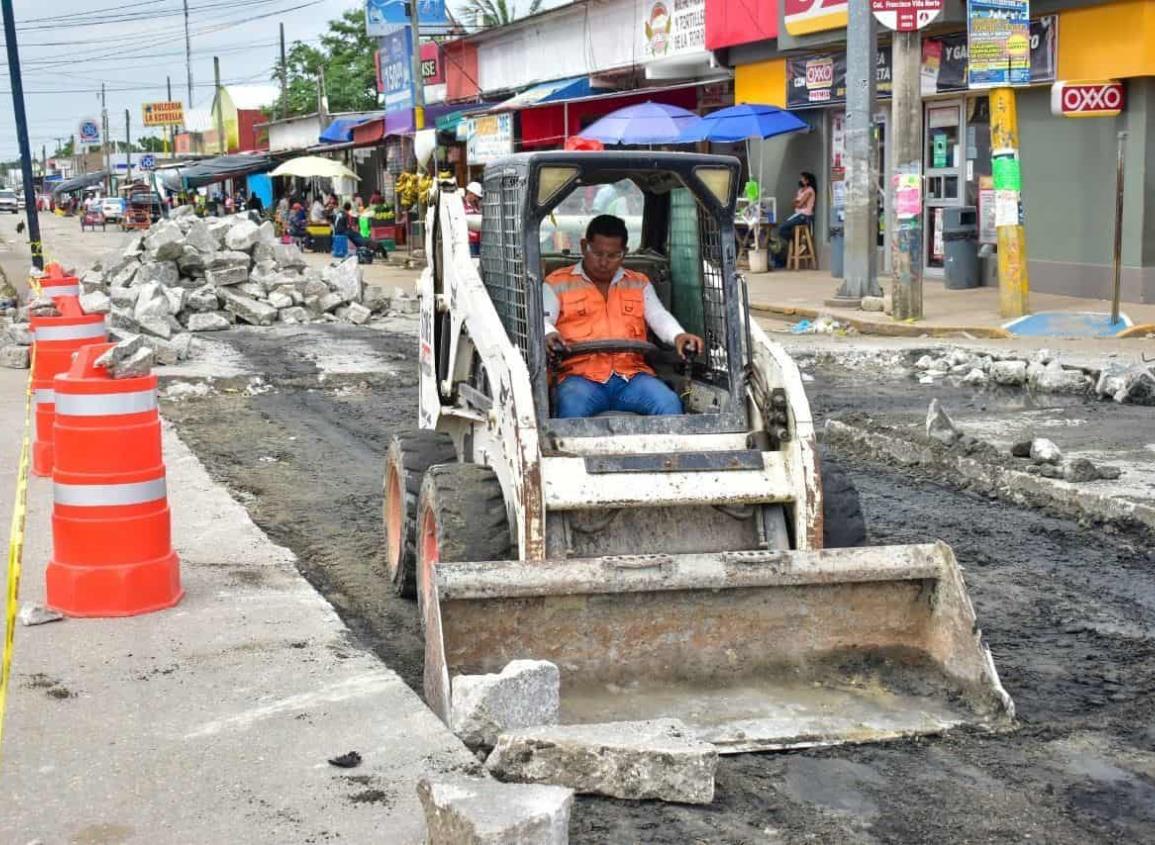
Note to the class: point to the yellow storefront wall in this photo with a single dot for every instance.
(761, 82)
(1116, 40)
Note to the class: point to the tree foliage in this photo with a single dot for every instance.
(347, 55)
(150, 144)
(482, 14)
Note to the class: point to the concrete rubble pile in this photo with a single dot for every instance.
(189, 275)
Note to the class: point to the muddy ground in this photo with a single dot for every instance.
(1068, 613)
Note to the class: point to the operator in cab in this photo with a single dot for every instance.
(599, 299)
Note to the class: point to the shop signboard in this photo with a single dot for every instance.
(168, 113)
(395, 70)
(432, 64)
(88, 132)
(905, 15)
(801, 17)
(384, 16)
(998, 43)
(490, 137)
(671, 27)
(944, 59)
(820, 80)
(1087, 99)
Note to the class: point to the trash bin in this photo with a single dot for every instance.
(960, 240)
(837, 230)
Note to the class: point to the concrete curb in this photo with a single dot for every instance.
(1020, 488)
(883, 329)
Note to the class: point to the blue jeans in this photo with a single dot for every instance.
(578, 396)
(786, 232)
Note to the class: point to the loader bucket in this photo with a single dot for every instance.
(752, 650)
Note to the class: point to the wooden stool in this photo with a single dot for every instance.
(801, 249)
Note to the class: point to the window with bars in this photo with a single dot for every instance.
(503, 253)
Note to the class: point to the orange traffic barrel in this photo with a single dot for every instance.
(56, 339)
(55, 282)
(111, 526)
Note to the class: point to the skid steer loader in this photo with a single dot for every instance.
(670, 566)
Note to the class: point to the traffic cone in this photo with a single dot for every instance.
(55, 282)
(55, 340)
(111, 526)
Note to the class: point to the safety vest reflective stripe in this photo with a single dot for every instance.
(60, 290)
(43, 396)
(109, 495)
(79, 332)
(563, 287)
(105, 404)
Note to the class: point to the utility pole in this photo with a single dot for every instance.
(418, 87)
(219, 107)
(21, 118)
(169, 144)
(104, 141)
(321, 97)
(906, 141)
(188, 57)
(861, 230)
(1014, 284)
(284, 78)
(127, 149)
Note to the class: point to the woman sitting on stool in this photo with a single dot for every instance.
(803, 213)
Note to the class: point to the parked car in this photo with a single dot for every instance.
(112, 208)
(8, 201)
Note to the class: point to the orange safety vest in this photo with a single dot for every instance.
(584, 315)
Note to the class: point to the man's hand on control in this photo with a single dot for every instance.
(687, 344)
(554, 343)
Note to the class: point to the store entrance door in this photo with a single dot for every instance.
(943, 162)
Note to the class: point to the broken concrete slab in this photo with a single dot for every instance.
(165, 273)
(151, 302)
(202, 300)
(242, 235)
(1054, 378)
(280, 300)
(1012, 373)
(37, 614)
(975, 378)
(1080, 470)
(477, 811)
(289, 256)
(656, 759)
(211, 321)
(200, 238)
(95, 302)
(156, 326)
(165, 241)
(226, 276)
(248, 309)
(345, 279)
(15, 357)
(357, 314)
(1044, 451)
(524, 694)
(296, 314)
(939, 426)
(139, 363)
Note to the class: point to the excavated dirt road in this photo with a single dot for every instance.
(1069, 613)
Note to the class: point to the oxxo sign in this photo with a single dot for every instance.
(803, 16)
(1087, 99)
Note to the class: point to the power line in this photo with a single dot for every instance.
(87, 19)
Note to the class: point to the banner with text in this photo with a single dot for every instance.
(395, 70)
(998, 43)
(163, 113)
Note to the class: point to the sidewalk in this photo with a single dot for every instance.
(801, 294)
(211, 721)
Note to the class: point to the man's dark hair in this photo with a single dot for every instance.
(608, 226)
(348, 206)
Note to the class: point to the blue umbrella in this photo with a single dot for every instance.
(646, 123)
(743, 123)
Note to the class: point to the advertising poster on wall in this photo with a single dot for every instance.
(490, 137)
(395, 70)
(998, 43)
(670, 27)
(820, 80)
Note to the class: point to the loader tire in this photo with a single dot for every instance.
(461, 517)
(843, 525)
(411, 453)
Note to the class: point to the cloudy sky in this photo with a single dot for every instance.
(69, 47)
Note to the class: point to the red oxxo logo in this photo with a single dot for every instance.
(1087, 99)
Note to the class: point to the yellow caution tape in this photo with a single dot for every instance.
(16, 540)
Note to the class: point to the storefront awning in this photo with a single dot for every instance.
(340, 131)
(547, 92)
(214, 170)
(79, 182)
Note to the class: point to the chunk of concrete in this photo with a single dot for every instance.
(345, 279)
(357, 314)
(1054, 378)
(202, 300)
(476, 811)
(139, 363)
(242, 235)
(15, 357)
(226, 259)
(924, 363)
(289, 257)
(156, 326)
(96, 302)
(280, 300)
(165, 241)
(122, 350)
(939, 426)
(1043, 451)
(525, 693)
(1022, 449)
(1012, 373)
(211, 321)
(191, 261)
(164, 273)
(20, 334)
(655, 759)
(37, 614)
(294, 315)
(226, 276)
(123, 297)
(248, 309)
(1080, 470)
(152, 301)
(975, 378)
(200, 238)
(871, 303)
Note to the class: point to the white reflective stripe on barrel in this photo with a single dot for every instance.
(43, 396)
(104, 404)
(109, 495)
(80, 332)
(61, 290)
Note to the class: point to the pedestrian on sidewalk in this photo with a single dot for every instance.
(803, 215)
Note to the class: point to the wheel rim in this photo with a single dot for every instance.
(394, 524)
(429, 555)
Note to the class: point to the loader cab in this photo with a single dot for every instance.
(679, 210)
